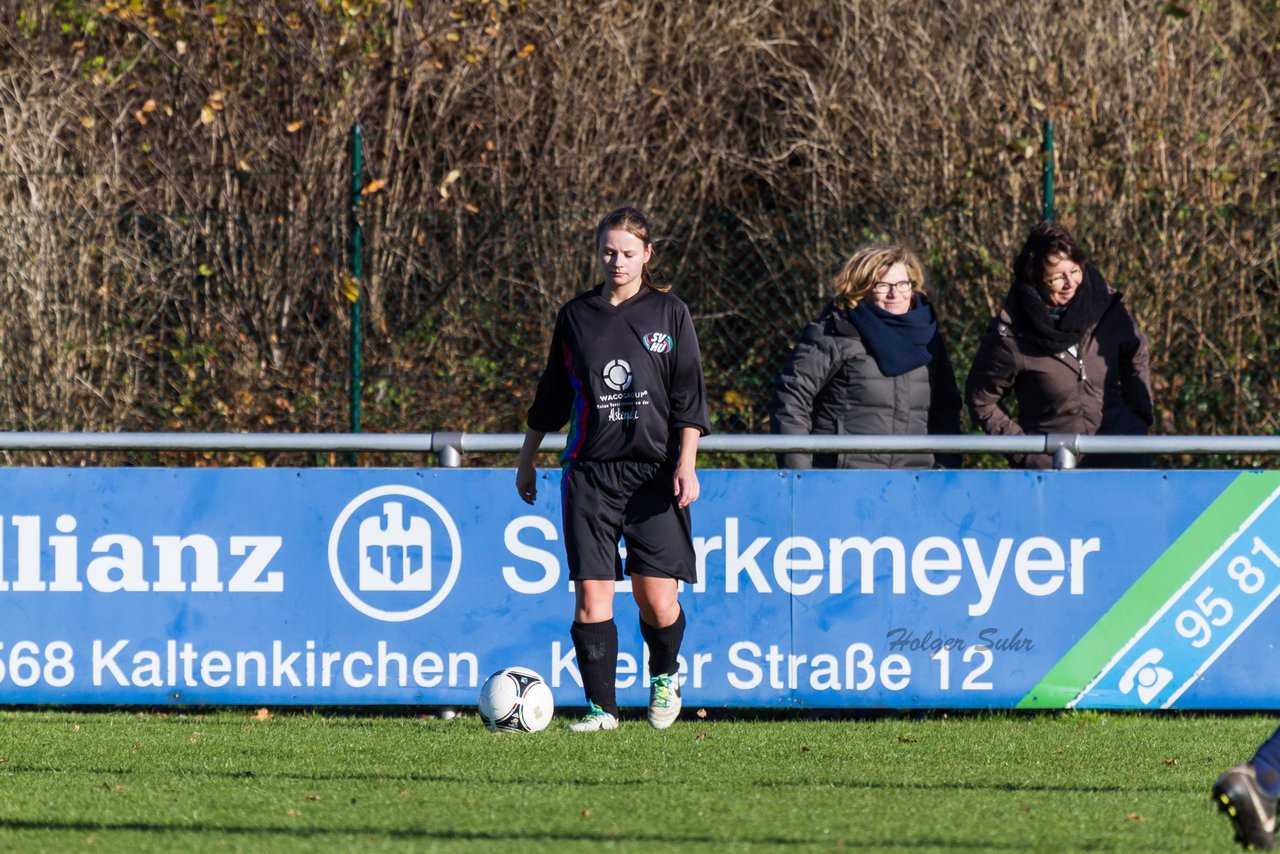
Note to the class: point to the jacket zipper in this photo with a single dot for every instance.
(1081, 373)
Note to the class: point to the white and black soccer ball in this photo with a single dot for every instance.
(516, 699)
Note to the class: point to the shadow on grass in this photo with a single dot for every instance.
(460, 779)
(665, 839)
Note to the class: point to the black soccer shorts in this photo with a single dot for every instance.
(624, 498)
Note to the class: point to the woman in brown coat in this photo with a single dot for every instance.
(1067, 350)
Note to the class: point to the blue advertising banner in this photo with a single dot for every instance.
(820, 589)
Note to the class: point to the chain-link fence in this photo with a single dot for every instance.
(236, 319)
(1202, 283)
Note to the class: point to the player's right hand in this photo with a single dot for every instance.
(527, 484)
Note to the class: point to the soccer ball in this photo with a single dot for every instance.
(516, 699)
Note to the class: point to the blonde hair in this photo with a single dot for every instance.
(856, 281)
(634, 222)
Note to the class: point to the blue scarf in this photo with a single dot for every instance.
(898, 342)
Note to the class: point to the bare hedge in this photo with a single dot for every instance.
(174, 190)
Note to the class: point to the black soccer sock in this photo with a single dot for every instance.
(664, 645)
(597, 647)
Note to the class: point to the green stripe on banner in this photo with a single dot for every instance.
(1066, 679)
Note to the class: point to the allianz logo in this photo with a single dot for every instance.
(394, 554)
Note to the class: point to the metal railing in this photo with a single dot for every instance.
(449, 447)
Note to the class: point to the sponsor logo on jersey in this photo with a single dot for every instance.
(657, 342)
(617, 375)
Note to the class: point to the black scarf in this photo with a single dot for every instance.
(898, 342)
(1054, 334)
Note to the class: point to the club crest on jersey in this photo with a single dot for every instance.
(657, 342)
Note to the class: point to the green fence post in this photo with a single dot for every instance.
(1048, 170)
(356, 246)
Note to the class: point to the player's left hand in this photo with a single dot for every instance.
(686, 486)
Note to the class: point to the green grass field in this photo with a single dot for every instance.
(305, 781)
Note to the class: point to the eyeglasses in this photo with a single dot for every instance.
(1060, 280)
(902, 288)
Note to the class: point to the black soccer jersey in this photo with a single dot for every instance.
(626, 378)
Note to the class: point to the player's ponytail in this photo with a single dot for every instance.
(632, 221)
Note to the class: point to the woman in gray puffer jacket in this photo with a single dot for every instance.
(873, 362)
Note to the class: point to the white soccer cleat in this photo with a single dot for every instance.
(664, 701)
(594, 720)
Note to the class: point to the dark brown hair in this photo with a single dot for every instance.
(1046, 240)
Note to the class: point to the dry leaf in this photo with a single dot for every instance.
(701, 713)
(88, 121)
(1133, 816)
(453, 176)
(313, 797)
(149, 106)
(262, 715)
(586, 813)
(374, 186)
(294, 812)
(294, 127)
(526, 50)
(206, 115)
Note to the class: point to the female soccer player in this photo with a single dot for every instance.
(625, 373)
